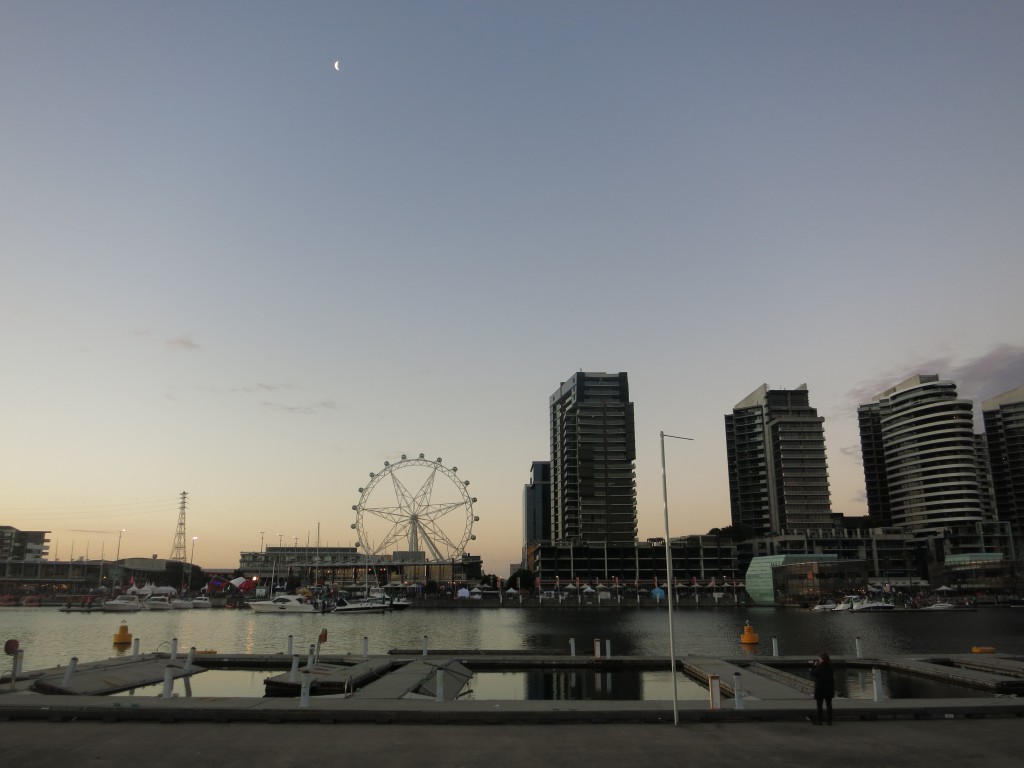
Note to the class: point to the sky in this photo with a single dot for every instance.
(230, 269)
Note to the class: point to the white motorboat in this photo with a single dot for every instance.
(202, 602)
(284, 604)
(940, 605)
(157, 603)
(181, 605)
(827, 605)
(369, 605)
(844, 605)
(123, 603)
(866, 604)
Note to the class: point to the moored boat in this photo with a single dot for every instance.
(202, 602)
(157, 603)
(369, 605)
(123, 603)
(284, 604)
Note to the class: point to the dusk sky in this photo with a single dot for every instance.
(227, 268)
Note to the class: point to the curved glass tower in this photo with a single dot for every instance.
(920, 470)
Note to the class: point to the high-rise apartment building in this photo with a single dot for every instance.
(593, 450)
(1004, 430)
(537, 503)
(778, 473)
(920, 465)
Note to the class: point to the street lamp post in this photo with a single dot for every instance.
(191, 560)
(117, 558)
(261, 541)
(671, 584)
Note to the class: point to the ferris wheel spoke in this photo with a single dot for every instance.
(438, 511)
(405, 499)
(437, 534)
(422, 498)
(428, 540)
(394, 514)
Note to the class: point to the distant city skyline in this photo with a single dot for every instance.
(233, 270)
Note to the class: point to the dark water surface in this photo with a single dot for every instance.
(49, 637)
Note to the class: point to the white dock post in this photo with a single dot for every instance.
(424, 645)
(775, 646)
(19, 661)
(291, 640)
(191, 657)
(439, 690)
(715, 691)
(607, 648)
(135, 648)
(293, 673)
(309, 658)
(366, 646)
(168, 682)
(174, 648)
(597, 648)
(860, 651)
(572, 646)
(304, 696)
(876, 682)
(737, 690)
(69, 672)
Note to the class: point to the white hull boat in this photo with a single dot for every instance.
(369, 605)
(157, 603)
(202, 602)
(284, 604)
(123, 604)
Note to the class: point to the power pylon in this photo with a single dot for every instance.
(178, 550)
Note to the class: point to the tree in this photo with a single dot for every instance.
(522, 579)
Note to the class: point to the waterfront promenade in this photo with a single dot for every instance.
(989, 742)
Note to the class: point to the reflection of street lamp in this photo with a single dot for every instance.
(671, 583)
(191, 560)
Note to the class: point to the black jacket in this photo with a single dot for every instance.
(824, 680)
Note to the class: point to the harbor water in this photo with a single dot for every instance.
(50, 638)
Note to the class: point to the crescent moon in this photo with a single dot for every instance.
(337, 65)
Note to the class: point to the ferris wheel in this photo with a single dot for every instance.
(419, 502)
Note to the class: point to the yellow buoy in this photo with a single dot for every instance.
(749, 636)
(123, 636)
(983, 649)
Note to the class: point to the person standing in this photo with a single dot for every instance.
(824, 686)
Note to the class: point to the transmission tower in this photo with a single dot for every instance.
(178, 550)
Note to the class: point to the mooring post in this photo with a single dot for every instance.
(737, 690)
(424, 645)
(597, 648)
(69, 672)
(439, 690)
(293, 673)
(607, 648)
(775, 646)
(191, 657)
(860, 651)
(309, 657)
(174, 648)
(135, 648)
(19, 661)
(168, 682)
(304, 696)
(572, 646)
(291, 640)
(366, 646)
(876, 682)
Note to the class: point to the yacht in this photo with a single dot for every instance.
(202, 602)
(368, 605)
(157, 603)
(284, 604)
(123, 603)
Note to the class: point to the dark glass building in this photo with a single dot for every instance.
(593, 450)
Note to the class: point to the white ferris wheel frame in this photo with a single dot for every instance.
(414, 519)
